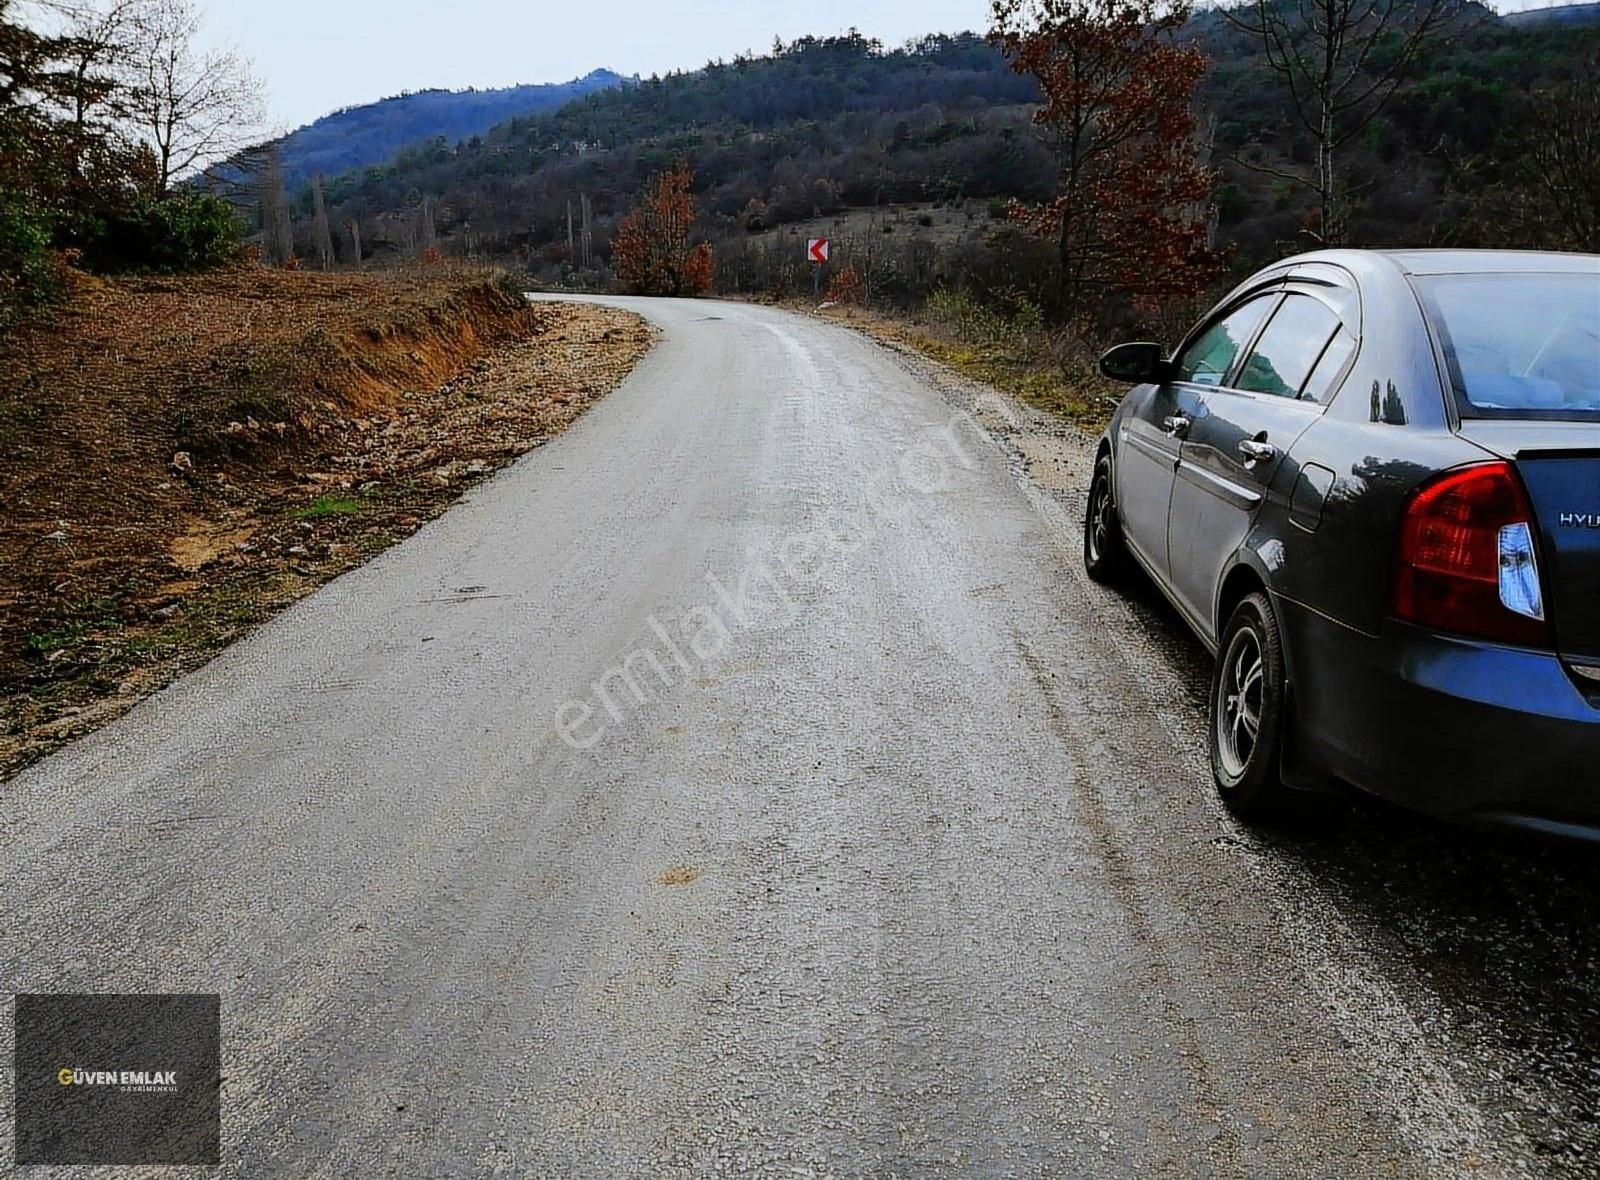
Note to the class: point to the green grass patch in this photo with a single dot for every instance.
(80, 621)
(374, 543)
(44, 643)
(329, 504)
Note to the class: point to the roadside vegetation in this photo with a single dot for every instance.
(196, 427)
(1010, 348)
(652, 250)
(1016, 350)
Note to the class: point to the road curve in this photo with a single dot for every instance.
(747, 780)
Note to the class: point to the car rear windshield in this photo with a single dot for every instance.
(1519, 345)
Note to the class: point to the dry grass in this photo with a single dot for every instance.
(1048, 370)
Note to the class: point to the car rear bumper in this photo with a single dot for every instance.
(1449, 725)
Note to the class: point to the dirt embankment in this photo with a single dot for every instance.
(181, 458)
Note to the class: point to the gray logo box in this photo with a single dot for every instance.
(118, 1079)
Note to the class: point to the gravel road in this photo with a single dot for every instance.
(750, 781)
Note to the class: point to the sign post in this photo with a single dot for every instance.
(817, 255)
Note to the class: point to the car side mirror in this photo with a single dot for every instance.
(1136, 363)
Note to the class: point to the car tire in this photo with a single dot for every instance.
(1105, 553)
(1249, 696)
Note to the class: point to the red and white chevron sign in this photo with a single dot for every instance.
(817, 249)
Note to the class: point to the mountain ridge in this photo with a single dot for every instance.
(369, 134)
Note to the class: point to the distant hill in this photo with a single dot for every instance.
(361, 136)
(1564, 14)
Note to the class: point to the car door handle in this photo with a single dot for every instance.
(1256, 451)
(1176, 425)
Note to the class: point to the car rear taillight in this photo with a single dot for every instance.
(1466, 562)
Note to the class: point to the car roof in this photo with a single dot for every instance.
(1442, 262)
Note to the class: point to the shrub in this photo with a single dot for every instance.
(848, 287)
(184, 232)
(28, 275)
(986, 325)
(1232, 204)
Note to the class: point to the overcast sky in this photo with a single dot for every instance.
(318, 55)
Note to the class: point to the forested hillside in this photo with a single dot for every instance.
(372, 133)
(818, 125)
(821, 127)
(1431, 166)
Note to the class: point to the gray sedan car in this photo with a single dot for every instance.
(1370, 482)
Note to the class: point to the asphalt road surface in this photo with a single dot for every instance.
(750, 781)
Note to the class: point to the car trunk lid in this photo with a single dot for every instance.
(1559, 463)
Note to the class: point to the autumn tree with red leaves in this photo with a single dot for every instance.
(1131, 216)
(848, 287)
(651, 248)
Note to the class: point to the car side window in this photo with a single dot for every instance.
(1211, 354)
(1319, 387)
(1289, 347)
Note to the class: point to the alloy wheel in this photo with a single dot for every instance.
(1100, 519)
(1240, 701)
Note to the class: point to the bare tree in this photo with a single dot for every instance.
(193, 107)
(98, 41)
(1341, 61)
(1558, 177)
(321, 234)
(277, 231)
(426, 237)
(355, 242)
(588, 231)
